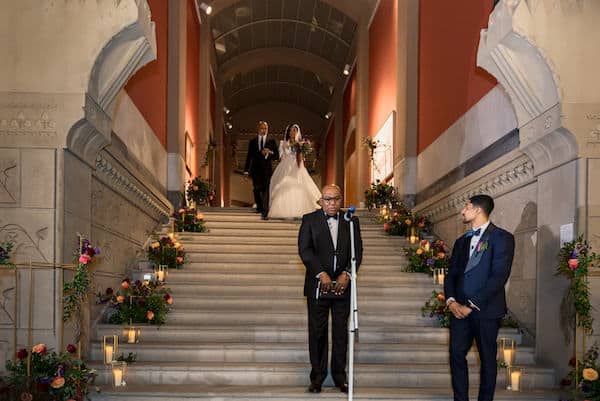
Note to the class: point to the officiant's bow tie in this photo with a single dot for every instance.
(335, 216)
(472, 232)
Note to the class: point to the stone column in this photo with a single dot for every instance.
(204, 90)
(405, 134)
(362, 111)
(176, 103)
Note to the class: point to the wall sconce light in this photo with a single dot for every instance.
(347, 69)
(228, 125)
(328, 115)
(206, 8)
(226, 110)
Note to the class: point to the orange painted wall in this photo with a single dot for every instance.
(383, 64)
(349, 102)
(329, 156)
(450, 83)
(192, 95)
(148, 87)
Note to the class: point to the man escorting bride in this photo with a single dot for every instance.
(293, 192)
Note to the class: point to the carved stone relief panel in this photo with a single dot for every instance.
(32, 232)
(10, 177)
(7, 297)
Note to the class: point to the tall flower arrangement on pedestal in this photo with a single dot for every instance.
(574, 261)
(75, 292)
(166, 251)
(379, 194)
(201, 192)
(187, 219)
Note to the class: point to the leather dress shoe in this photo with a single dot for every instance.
(314, 388)
(265, 217)
(343, 388)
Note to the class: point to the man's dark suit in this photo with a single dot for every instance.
(316, 250)
(260, 168)
(478, 281)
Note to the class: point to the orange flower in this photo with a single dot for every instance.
(199, 216)
(590, 374)
(58, 382)
(419, 251)
(125, 284)
(182, 210)
(170, 300)
(179, 259)
(149, 315)
(441, 255)
(408, 222)
(155, 244)
(120, 299)
(39, 349)
(386, 226)
(441, 297)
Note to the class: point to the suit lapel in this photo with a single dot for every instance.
(325, 228)
(343, 232)
(476, 257)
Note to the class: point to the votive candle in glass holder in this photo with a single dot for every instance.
(441, 275)
(132, 334)
(515, 378)
(110, 347)
(507, 350)
(119, 372)
(413, 238)
(161, 272)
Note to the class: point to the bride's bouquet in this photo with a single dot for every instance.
(303, 148)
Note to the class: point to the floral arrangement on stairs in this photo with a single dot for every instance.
(582, 383)
(137, 302)
(398, 220)
(426, 257)
(189, 220)
(201, 192)
(38, 374)
(166, 251)
(379, 194)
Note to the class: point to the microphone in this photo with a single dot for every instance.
(349, 213)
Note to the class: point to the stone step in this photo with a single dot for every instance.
(286, 268)
(270, 238)
(275, 290)
(278, 232)
(365, 353)
(287, 278)
(365, 219)
(409, 375)
(278, 248)
(195, 392)
(194, 316)
(395, 260)
(292, 304)
(261, 225)
(275, 333)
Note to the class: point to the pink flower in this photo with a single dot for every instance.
(39, 349)
(149, 315)
(386, 226)
(85, 258)
(182, 211)
(441, 297)
(125, 284)
(179, 259)
(573, 263)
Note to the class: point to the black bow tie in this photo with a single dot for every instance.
(335, 216)
(475, 233)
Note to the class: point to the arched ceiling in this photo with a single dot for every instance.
(290, 51)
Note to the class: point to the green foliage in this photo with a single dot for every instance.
(5, 249)
(53, 376)
(398, 220)
(166, 251)
(131, 358)
(426, 257)
(574, 261)
(137, 302)
(200, 191)
(190, 221)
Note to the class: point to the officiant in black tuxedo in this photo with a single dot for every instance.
(324, 247)
(262, 151)
(474, 286)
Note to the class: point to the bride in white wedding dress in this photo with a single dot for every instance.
(292, 192)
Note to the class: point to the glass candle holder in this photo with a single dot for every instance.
(413, 237)
(508, 350)
(119, 372)
(132, 334)
(515, 378)
(110, 347)
(161, 272)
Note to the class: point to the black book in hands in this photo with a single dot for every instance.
(329, 294)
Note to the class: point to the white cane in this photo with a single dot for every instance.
(353, 324)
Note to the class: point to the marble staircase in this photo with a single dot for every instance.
(237, 329)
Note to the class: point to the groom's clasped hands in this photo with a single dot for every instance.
(327, 284)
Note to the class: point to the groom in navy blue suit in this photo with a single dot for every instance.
(474, 287)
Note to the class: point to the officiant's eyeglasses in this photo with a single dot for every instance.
(331, 200)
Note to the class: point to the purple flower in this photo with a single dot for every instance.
(97, 251)
(45, 380)
(430, 261)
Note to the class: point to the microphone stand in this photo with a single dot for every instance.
(353, 324)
